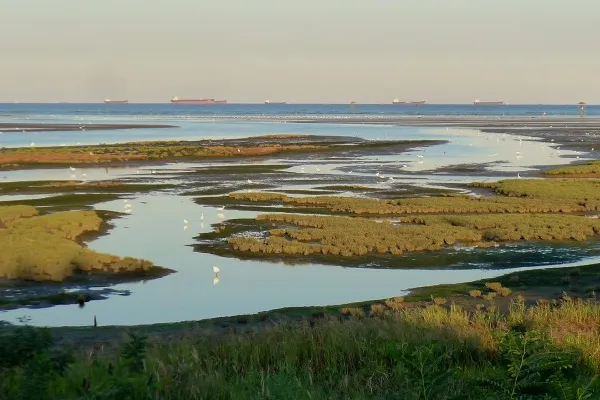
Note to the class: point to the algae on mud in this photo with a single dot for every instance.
(192, 150)
(45, 248)
(56, 186)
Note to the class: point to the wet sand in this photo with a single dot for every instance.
(48, 127)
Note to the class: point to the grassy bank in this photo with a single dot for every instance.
(45, 247)
(587, 170)
(400, 348)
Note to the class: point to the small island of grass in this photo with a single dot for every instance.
(517, 210)
(45, 247)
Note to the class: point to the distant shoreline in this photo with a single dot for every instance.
(49, 127)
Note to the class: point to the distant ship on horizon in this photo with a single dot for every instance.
(409, 103)
(176, 100)
(274, 102)
(489, 103)
(109, 101)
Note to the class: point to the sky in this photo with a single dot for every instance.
(306, 51)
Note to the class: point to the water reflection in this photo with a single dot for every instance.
(154, 231)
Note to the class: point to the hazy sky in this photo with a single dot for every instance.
(442, 51)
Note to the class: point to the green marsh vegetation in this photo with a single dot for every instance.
(347, 237)
(591, 169)
(45, 248)
(393, 350)
(518, 196)
(517, 210)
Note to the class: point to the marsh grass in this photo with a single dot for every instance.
(293, 234)
(531, 201)
(45, 248)
(430, 352)
(588, 169)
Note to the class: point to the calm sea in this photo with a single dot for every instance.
(166, 110)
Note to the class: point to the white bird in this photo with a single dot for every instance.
(125, 201)
(72, 169)
(249, 181)
(221, 208)
(518, 175)
(216, 270)
(185, 221)
(202, 217)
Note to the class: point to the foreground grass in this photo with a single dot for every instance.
(45, 248)
(391, 351)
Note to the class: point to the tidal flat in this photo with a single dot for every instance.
(221, 198)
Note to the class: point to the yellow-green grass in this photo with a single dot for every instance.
(435, 343)
(535, 198)
(343, 236)
(45, 248)
(591, 169)
(583, 192)
(438, 351)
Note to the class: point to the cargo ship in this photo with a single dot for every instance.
(488, 103)
(109, 101)
(409, 103)
(176, 100)
(274, 102)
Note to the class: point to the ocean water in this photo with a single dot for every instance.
(165, 111)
